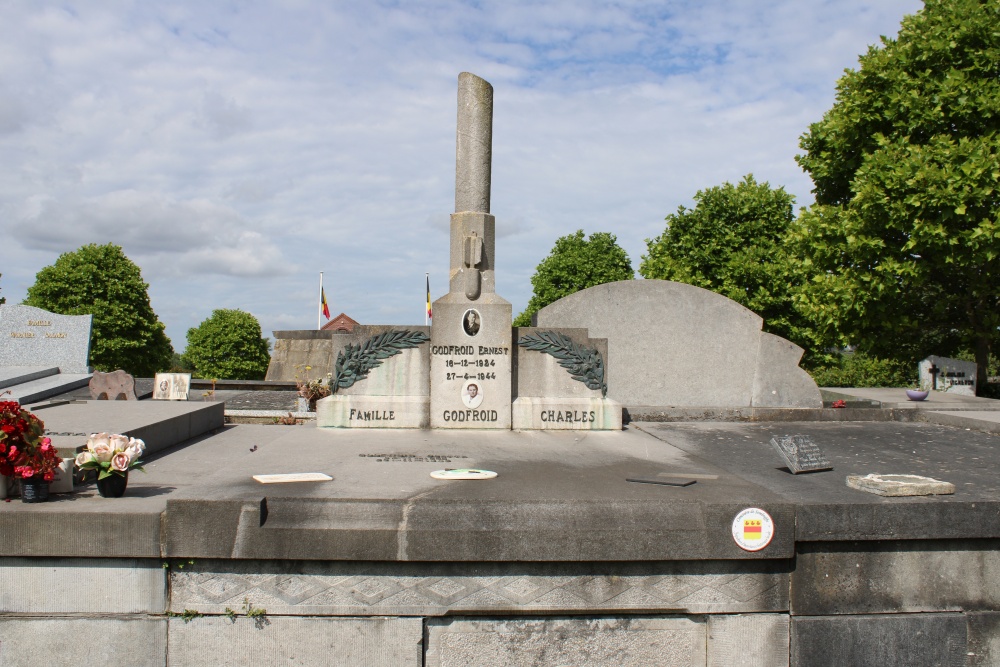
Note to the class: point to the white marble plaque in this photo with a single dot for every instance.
(293, 477)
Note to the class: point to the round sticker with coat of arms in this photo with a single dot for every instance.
(753, 529)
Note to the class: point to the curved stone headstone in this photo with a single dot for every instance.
(113, 386)
(672, 344)
(31, 336)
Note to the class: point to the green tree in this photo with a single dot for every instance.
(100, 280)
(903, 243)
(576, 263)
(732, 242)
(228, 345)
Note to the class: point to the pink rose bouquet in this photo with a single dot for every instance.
(24, 451)
(111, 454)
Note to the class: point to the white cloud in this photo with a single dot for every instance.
(236, 151)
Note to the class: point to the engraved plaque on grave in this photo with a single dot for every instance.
(471, 330)
(801, 454)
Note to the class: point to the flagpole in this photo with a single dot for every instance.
(319, 310)
(427, 276)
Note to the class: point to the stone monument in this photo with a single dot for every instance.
(470, 371)
(953, 376)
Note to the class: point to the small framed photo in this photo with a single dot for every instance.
(171, 386)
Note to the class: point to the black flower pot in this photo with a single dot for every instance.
(112, 486)
(34, 491)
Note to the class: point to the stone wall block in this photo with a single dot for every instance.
(79, 585)
(66, 642)
(302, 641)
(617, 641)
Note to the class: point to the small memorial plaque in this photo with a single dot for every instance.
(171, 386)
(801, 454)
(293, 477)
(463, 473)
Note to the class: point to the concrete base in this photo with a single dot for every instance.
(576, 414)
(373, 412)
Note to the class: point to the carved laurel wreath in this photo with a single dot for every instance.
(582, 363)
(355, 361)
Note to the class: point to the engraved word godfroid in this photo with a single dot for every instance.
(470, 415)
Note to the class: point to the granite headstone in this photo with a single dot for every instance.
(31, 336)
(953, 376)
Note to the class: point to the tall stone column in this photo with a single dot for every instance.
(471, 329)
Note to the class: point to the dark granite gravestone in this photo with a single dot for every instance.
(801, 454)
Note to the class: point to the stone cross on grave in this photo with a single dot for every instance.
(934, 370)
(471, 328)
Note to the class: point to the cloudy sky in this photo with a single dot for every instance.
(236, 149)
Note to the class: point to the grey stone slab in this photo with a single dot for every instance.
(53, 529)
(463, 530)
(984, 421)
(47, 387)
(897, 576)
(159, 424)
(748, 640)
(273, 640)
(14, 375)
(590, 642)
(426, 589)
(826, 509)
(82, 585)
(899, 485)
(983, 639)
(68, 642)
(779, 382)
(31, 336)
(671, 344)
(884, 640)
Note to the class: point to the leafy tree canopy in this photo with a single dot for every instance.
(228, 345)
(731, 242)
(576, 263)
(904, 240)
(100, 280)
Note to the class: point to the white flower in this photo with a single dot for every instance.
(135, 449)
(119, 442)
(84, 457)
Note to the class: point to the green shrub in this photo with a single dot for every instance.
(859, 370)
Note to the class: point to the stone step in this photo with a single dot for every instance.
(15, 375)
(45, 387)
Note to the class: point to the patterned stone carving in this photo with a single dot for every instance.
(361, 589)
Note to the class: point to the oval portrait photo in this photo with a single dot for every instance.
(472, 395)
